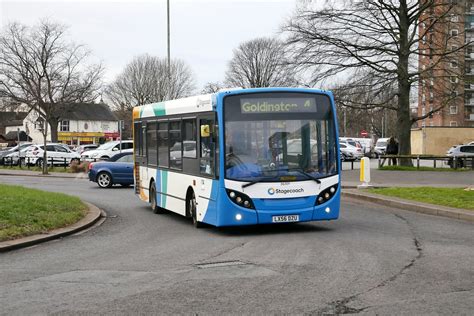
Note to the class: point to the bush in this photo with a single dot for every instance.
(76, 167)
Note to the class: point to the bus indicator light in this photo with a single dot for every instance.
(327, 210)
(238, 217)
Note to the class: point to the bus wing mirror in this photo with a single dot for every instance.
(205, 131)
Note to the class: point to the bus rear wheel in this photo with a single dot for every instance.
(154, 205)
(193, 211)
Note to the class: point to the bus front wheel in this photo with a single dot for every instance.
(154, 205)
(193, 211)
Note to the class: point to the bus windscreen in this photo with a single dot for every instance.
(279, 137)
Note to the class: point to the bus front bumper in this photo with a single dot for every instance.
(235, 215)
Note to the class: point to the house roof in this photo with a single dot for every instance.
(87, 112)
(12, 118)
(13, 135)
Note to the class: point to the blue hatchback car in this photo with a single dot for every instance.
(117, 170)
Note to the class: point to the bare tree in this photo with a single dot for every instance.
(39, 68)
(376, 45)
(212, 87)
(146, 80)
(356, 113)
(261, 62)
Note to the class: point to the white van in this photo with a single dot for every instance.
(380, 146)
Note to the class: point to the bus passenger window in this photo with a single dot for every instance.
(151, 144)
(175, 145)
(138, 138)
(189, 138)
(163, 158)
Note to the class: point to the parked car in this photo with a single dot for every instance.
(58, 154)
(380, 146)
(464, 153)
(5, 155)
(349, 152)
(117, 170)
(17, 158)
(83, 148)
(106, 150)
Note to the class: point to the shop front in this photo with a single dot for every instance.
(81, 138)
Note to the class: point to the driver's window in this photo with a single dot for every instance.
(207, 144)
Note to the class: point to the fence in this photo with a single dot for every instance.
(452, 162)
(27, 161)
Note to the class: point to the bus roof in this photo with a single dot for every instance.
(202, 103)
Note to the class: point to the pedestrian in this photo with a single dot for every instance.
(392, 149)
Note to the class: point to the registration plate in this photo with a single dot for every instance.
(285, 218)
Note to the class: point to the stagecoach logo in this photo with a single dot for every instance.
(201, 102)
(272, 191)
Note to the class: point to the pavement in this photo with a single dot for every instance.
(350, 181)
(388, 178)
(32, 173)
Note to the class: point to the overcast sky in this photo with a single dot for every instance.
(203, 32)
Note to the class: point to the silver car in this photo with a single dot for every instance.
(464, 155)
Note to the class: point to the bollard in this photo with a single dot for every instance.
(364, 173)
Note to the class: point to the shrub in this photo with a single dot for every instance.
(76, 167)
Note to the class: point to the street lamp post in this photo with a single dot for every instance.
(169, 53)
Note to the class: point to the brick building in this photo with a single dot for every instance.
(447, 83)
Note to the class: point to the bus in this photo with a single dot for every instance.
(240, 156)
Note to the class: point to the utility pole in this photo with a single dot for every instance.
(345, 122)
(169, 54)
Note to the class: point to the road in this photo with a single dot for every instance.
(373, 260)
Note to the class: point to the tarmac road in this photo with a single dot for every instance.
(373, 260)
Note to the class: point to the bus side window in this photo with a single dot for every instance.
(175, 145)
(163, 153)
(189, 138)
(138, 138)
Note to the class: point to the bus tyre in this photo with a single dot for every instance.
(154, 205)
(193, 211)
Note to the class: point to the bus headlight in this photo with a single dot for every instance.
(240, 199)
(326, 195)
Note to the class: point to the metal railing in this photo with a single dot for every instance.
(453, 162)
(26, 162)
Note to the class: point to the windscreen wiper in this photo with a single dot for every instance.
(306, 174)
(255, 181)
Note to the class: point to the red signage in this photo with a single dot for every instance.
(111, 135)
(364, 133)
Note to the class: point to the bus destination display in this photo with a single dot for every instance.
(277, 105)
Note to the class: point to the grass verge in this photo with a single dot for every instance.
(451, 197)
(25, 212)
(38, 169)
(404, 168)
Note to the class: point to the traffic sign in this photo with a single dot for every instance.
(364, 133)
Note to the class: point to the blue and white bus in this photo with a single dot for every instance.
(240, 157)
